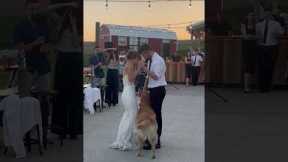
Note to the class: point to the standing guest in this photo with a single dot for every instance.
(96, 63)
(285, 21)
(267, 32)
(196, 61)
(249, 49)
(31, 37)
(201, 52)
(112, 79)
(68, 79)
(202, 66)
(258, 10)
(156, 85)
(188, 67)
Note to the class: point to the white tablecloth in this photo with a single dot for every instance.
(91, 96)
(20, 116)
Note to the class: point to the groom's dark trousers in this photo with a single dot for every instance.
(157, 96)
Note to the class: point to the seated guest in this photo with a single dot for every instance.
(96, 62)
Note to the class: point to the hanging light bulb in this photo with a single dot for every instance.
(190, 4)
(149, 3)
(106, 5)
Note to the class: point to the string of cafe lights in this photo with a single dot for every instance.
(171, 25)
(149, 2)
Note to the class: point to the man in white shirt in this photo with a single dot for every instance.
(267, 32)
(156, 85)
(196, 61)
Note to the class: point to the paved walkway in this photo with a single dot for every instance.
(183, 130)
(250, 127)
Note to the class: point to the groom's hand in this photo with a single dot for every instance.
(151, 74)
(141, 64)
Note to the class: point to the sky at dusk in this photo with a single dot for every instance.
(139, 14)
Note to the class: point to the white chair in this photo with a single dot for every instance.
(21, 117)
(92, 96)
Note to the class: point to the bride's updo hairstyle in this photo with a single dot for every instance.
(132, 55)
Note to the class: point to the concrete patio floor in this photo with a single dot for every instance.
(183, 130)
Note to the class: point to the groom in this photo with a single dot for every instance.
(156, 85)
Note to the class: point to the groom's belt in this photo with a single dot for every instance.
(160, 87)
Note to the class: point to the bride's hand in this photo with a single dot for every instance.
(145, 69)
(141, 64)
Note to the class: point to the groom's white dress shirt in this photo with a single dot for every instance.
(158, 67)
(274, 31)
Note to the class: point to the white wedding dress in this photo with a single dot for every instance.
(124, 138)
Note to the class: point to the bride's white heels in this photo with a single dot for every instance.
(118, 147)
(125, 148)
(114, 146)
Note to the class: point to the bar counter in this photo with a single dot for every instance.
(224, 60)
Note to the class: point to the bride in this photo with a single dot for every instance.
(124, 138)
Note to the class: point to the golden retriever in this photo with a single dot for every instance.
(146, 125)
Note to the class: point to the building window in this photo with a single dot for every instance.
(133, 48)
(133, 41)
(165, 41)
(122, 41)
(143, 41)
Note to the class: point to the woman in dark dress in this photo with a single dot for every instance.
(249, 50)
(112, 78)
(67, 118)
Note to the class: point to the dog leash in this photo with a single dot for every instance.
(145, 88)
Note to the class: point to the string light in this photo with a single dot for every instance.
(106, 5)
(174, 24)
(145, 1)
